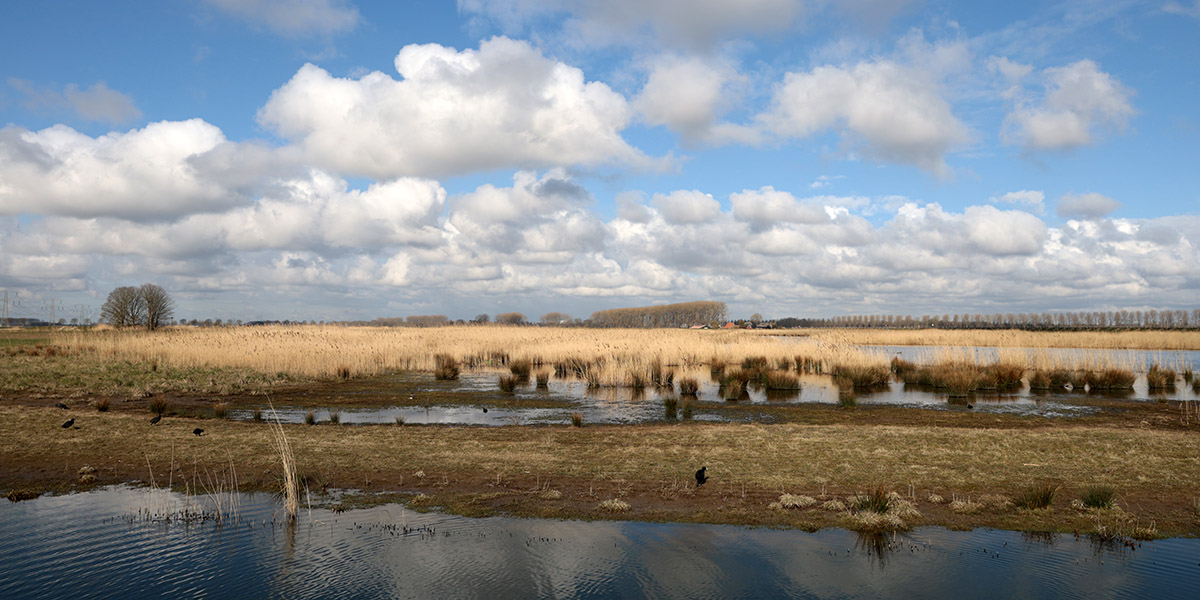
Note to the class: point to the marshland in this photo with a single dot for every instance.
(305, 427)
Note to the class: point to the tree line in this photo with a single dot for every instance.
(1099, 319)
(667, 315)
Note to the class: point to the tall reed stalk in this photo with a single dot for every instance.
(291, 483)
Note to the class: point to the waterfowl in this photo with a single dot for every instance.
(156, 419)
(197, 431)
(68, 424)
(701, 476)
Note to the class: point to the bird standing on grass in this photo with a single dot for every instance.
(701, 476)
(156, 419)
(60, 405)
(198, 432)
(68, 424)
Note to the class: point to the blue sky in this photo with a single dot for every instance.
(331, 159)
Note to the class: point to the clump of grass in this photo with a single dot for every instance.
(258, 414)
(614, 505)
(688, 386)
(1111, 379)
(1160, 378)
(543, 379)
(965, 507)
(834, 505)
(343, 371)
(671, 404)
(576, 420)
(571, 367)
(399, 420)
(876, 500)
(1189, 376)
(903, 368)
(782, 380)
(291, 483)
(716, 367)
(521, 369)
(310, 418)
(102, 405)
(1005, 376)
(636, 380)
(731, 389)
(220, 409)
(445, 367)
(158, 405)
(1059, 378)
(1098, 496)
(808, 364)
(1039, 380)
(861, 376)
(507, 383)
(796, 501)
(751, 363)
(335, 417)
(551, 495)
(1038, 495)
(936, 499)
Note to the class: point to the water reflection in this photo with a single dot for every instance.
(85, 545)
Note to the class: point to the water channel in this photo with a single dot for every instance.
(104, 544)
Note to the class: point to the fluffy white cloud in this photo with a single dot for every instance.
(1086, 206)
(163, 170)
(1079, 100)
(889, 111)
(293, 17)
(504, 105)
(688, 94)
(97, 102)
(768, 205)
(687, 206)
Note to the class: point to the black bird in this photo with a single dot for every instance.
(60, 405)
(68, 424)
(701, 476)
(970, 406)
(197, 431)
(156, 419)
(485, 409)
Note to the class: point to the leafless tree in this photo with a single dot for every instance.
(555, 318)
(158, 305)
(124, 307)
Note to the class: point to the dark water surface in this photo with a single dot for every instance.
(94, 545)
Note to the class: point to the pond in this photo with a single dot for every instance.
(103, 544)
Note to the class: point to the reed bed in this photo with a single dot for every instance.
(1008, 338)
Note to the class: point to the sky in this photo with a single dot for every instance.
(345, 160)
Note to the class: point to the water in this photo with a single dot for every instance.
(86, 546)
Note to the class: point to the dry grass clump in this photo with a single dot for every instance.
(688, 386)
(1098, 496)
(833, 505)
(158, 405)
(543, 379)
(1109, 379)
(521, 368)
(1159, 378)
(879, 510)
(445, 367)
(782, 380)
(614, 505)
(335, 417)
(903, 369)
(551, 495)
(809, 364)
(576, 420)
(507, 383)
(965, 506)
(861, 376)
(796, 501)
(1036, 496)
(220, 410)
(310, 418)
(936, 499)
(102, 405)
(343, 371)
(731, 389)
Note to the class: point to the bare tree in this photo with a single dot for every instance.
(159, 307)
(124, 307)
(512, 318)
(555, 318)
(481, 318)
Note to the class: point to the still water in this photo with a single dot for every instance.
(95, 545)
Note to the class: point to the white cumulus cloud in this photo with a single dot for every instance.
(1086, 206)
(1079, 101)
(502, 106)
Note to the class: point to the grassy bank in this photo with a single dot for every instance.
(954, 476)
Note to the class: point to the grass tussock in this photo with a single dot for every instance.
(613, 505)
(158, 405)
(446, 367)
(1159, 378)
(310, 418)
(291, 483)
(1036, 496)
(782, 380)
(343, 371)
(861, 376)
(507, 383)
(102, 405)
(521, 368)
(688, 386)
(576, 420)
(796, 501)
(335, 417)
(543, 379)
(220, 410)
(1098, 496)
